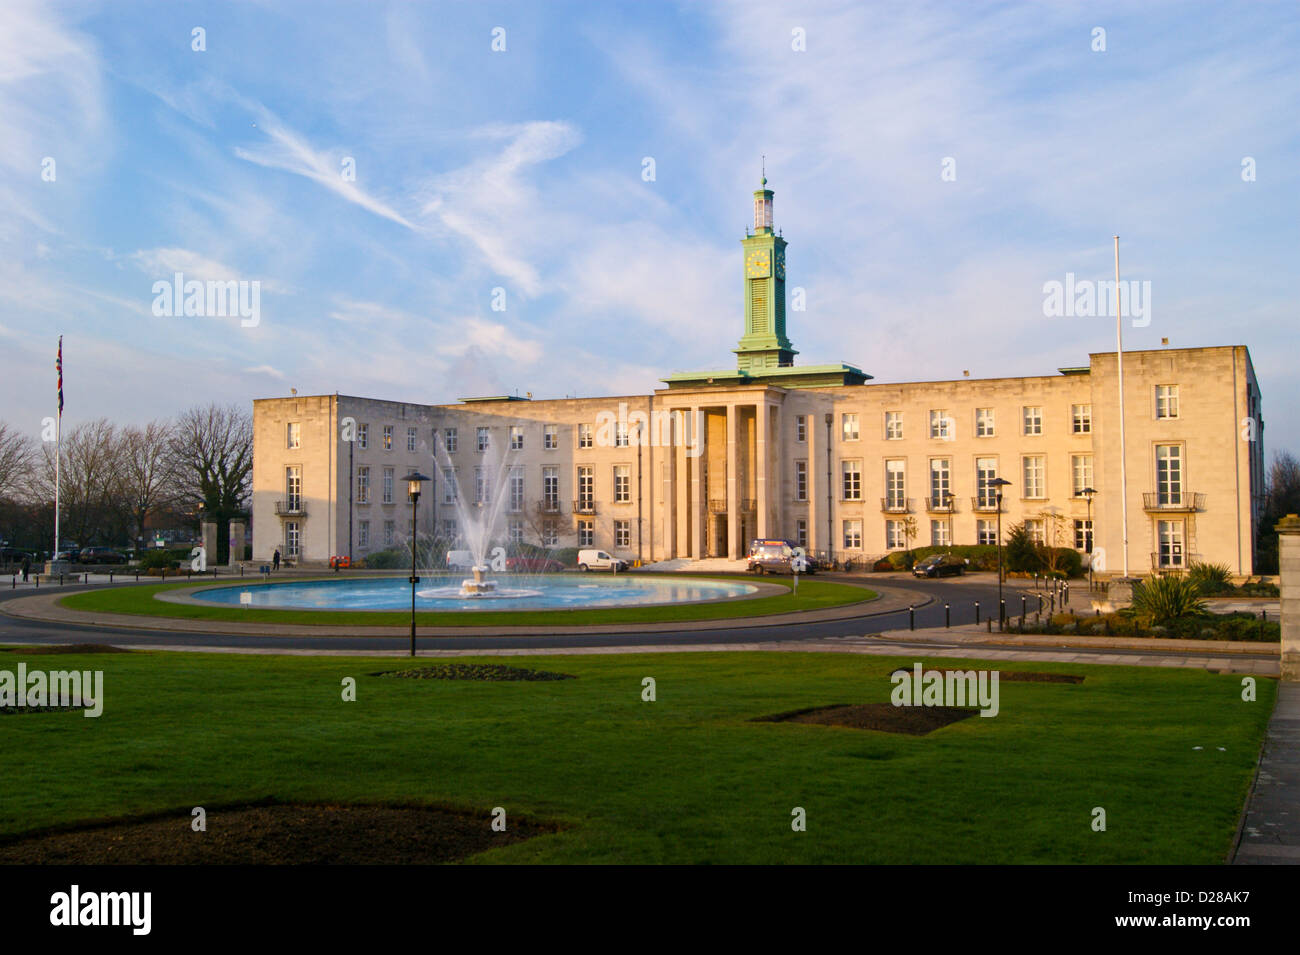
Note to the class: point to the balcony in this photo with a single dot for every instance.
(896, 505)
(549, 505)
(294, 507)
(1184, 503)
(584, 505)
(985, 505)
(1171, 562)
(941, 505)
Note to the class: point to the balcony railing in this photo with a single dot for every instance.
(748, 504)
(584, 505)
(896, 505)
(549, 505)
(985, 505)
(717, 505)
(1184, 501)
(294, 507)
(941, 505)
(1167, 561)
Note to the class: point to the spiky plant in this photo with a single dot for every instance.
(1210, 578)
(1158, 600)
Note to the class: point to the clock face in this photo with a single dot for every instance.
(780, 265)
(758, 264)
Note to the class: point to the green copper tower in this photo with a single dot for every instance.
(764, 344)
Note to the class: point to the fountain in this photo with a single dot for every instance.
(479, 586)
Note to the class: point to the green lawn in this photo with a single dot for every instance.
(685, 779)
(813, 595)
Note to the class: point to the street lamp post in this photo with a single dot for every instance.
(998, 484)
(1087, 493)
(413, 482)
(948, 501)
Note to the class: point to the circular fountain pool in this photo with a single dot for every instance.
(523, 592)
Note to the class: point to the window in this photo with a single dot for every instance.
(1083, 536)
(388, 437)
(983, 422)
(1170, 538)
(849, 427)
(584, 435)
(515, 529)
(550, 437)
(449, 529)
(895, 536)
(801, 532)
(986, 532)
(1081, 419)
(940, 492)
(1166, 401)
(410, 440)
(293, 487)
(853, 535)
(893, 426)
(1033, 419)
(295, 435)
(388, 485)
(292, 539)
(801, 427)
(516, 489)
(363, 534)
(363, 485)
(586, 533)
(1035, 484)
(622, 484)
(940, 425)
(940, 534)
(895, 485)
(450, 440)
(1037, 533)
(551, 488)
(482, 439)
(986, 472)
(586, 488)
(620, 434)
(550, 535)
(851, 473)
(390, 534)
(801, 480)
(363, 436)
(516, 438)
(1081, 472)
(482, 485)
(1169, 474)
(622, 533)
(450, 492)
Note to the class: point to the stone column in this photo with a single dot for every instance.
(816, 494)
(762, 461)
(1288, 565)
(733, 491)
(238, 540)
(208, 532)
(697, 507)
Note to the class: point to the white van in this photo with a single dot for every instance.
(599, 560)
(460, 560)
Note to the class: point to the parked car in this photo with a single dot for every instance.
(776, 556)
(533, 565)
(460, 560)
(599, 560)
(72, 556)
(940, 565)
(101, 555)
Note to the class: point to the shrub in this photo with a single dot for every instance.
(392, 559)
(1021, 553)
(1158, 600)
(158, 558)
(1210, 578)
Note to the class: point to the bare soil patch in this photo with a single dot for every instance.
(883, 717)
(491, 672)
(278, 834)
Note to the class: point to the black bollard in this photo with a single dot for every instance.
(911, 617)
(977, 612)
(947, 617)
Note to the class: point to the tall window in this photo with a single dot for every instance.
(622, 484)
(853, 535)
(410, 440)
(450, 493)
(1035, 483)
(449, 529)
(516, 489)
(292, 539)
(940, 492)
(551, 488)
(515, 530)
(940, 534)
(1033, 419)
(1083, 535)
(363, 485)
(801, 427)
(390, 533)
(620, 434)
(586, 533)
(1166, 401)
(895, 484)
(940, 425)
(986, 472)
(1169, 474)
(851, 472)
(1170, 538)
(516, 437)
(363, 534)
(894, 535)
(550, 534)
(801, 480)
(293, 487)
(388, 485)
(986, 532)
(295, 435)
(1034, 528)
(983, 422)
(801, 532)
(363, 436)
(550, 437)
(584, 435)
(622, 533)
(482, 485)
(849, 427)
(483, 439)
(1081, 473)
(451, 442)
(388, 437)
(893, 426)
(586, 487)
(1081, 419)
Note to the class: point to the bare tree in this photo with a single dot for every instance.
(210, 463)
(143, 466)
(89, 482)
(16, 459)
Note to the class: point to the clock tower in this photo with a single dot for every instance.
(764, 344)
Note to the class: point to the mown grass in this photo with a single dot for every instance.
(813, 595)
(685, 779)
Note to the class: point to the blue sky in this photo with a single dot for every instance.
(522, 170)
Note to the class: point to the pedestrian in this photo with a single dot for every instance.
(275, 560)
(27, 567)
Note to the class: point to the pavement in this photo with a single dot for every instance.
(1270, 832)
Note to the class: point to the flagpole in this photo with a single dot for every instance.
(1123, 457)
(58, 452)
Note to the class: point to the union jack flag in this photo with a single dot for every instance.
(58, 364)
